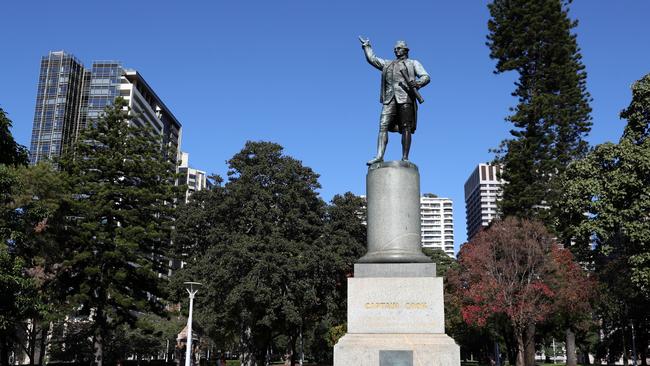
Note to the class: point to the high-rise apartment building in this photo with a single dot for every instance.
(437, 223)
(58, 101)
(482, 191)
(196, 180)
(70, 97)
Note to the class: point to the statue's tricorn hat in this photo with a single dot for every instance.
(401, 44)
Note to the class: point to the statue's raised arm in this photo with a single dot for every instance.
(370, 54)
(364, 42)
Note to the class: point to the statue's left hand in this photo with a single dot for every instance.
(413, 84)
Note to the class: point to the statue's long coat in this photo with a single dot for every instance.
(414, 70)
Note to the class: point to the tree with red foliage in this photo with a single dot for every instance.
(507, 271)
(574, 292)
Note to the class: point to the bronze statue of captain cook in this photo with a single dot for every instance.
(400, 80)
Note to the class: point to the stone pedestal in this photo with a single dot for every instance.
(395, 301)
(396, 318)
(393, 201)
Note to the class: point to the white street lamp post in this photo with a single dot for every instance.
(188, 350)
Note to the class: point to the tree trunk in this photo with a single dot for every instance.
(292, 361)
(32, 342)
(169, 351)
(41, 354)
(302, 347)
(511, 349)
(570, 345)
(267, 357)
(98, 345)
(247, 356)
(46, 338)
(260, 356)
(530, 345)
(4, 349)
(625, 357)
(521, 348)
(611, 361)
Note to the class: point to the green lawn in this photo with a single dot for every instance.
(463, 363)
(475, 363)
(236, 363)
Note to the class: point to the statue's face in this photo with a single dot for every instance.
(401, 51)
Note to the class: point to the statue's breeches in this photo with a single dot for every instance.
(395, 117)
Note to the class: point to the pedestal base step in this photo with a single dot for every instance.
(396, 350)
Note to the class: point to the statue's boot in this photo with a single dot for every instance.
(374, 160)
(382, 141)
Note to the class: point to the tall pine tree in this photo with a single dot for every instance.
(552, 117)
(121, 222)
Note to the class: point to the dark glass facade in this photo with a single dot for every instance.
(70, 97)
(57, 105)
(103, 88)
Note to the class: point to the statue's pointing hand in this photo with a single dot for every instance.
(364, 42)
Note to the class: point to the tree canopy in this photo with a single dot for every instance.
(604, 210)
(515, 272)
(272, 256)
(551, 119)
(11, 153)
(255, 248)
(19, 299)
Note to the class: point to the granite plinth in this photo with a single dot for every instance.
(396, 305)
(365, 349)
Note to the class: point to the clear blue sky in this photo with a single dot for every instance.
(293, 72)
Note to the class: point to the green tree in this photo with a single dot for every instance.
(552, 117)
(17, 304)
(443, 262)
(18, 301)
(604, 211)
(120, 222)
(11, 153)
(253, 251)
(39, 240)
(13, 221)
(343, 242)
(149, 339)
(18, 295)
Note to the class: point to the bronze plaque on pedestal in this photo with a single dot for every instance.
(395, 358)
